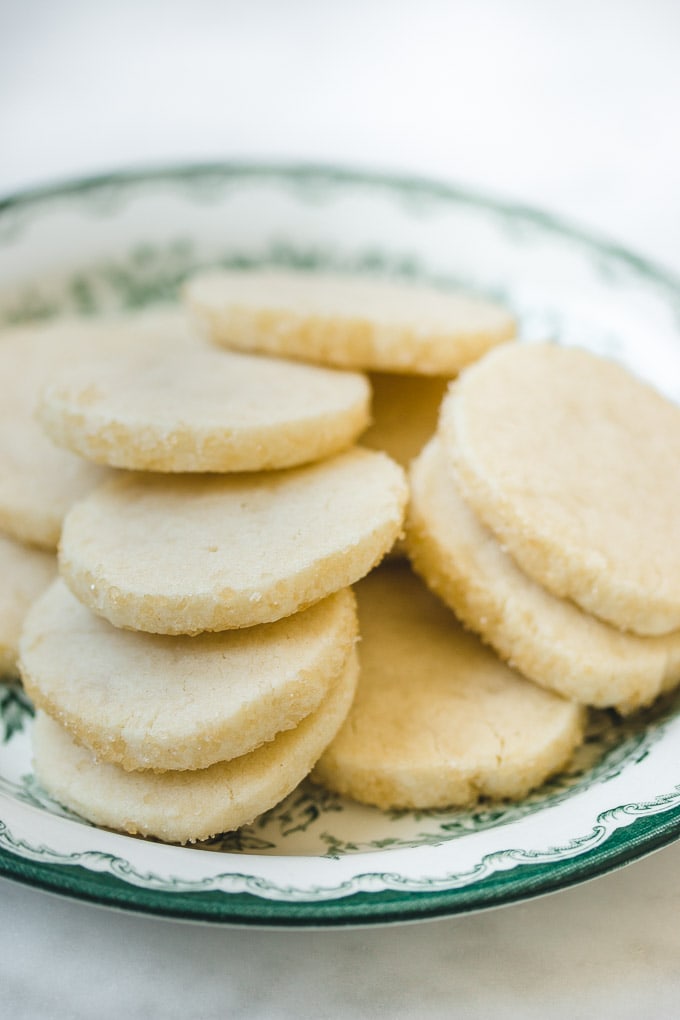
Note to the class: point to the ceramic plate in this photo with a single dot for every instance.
(128, 240)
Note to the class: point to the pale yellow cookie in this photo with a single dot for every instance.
(405, 413)
(182, 554)
(182, 807)
(348, 321)
(24, 575)
(438, 720)
(146, 701)
(548, 639)
(572, 462)
(38, 480)
(202, 409)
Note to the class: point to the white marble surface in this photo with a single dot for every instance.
(570, 106)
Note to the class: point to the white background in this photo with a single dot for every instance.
(571, 106)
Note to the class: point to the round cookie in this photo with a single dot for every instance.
(202, 409)
(405, 413)
(38, 480)
(24, 575)
(548, 639)
(146, 701)
(437, 719)
(572, 462)
(348, 321)
(183, 554)
(182, 807)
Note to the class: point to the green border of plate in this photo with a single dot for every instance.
(524, 881)
(521, 883)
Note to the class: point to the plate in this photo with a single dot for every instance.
(127, 240)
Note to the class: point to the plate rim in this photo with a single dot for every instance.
(524, 881)
(626, 845)
(433, 187)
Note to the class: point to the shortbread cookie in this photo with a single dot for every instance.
(182, 554)
(438, 720)
(182, 807)
(203, 409)
(24, 575)
(38, 480)
(146, 701)
(548, 639)
(349, 321)
(405, 413)
(573, 464)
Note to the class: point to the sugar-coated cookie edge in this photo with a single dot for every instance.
(274, 769)
(220, 738)
(651, 668)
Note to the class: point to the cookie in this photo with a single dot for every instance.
(182, 807)
(405, 413)
(572, 462)
(149, 702)
(202, 409)
(437, 719)
(548, 639)
(347, 321)
(182, 554)
(24, 575)
(38, 480)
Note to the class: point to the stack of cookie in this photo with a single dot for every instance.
(437, 719)
(198, 653)
(545, 514)
(197, 657)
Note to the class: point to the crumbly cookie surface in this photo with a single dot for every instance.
(184, 554)
(438, 720)
(182, 807)
(145, 701)
(199, 409)
(405, 413)
(348, 321)
(548, 639)
(572, 462)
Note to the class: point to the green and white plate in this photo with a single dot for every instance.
(128, 240)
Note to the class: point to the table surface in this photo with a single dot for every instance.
(572, 107)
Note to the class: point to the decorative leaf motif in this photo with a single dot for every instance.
(15, 709)
(301, 809)
(243, 840)
(152, 273)
(337, 848)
